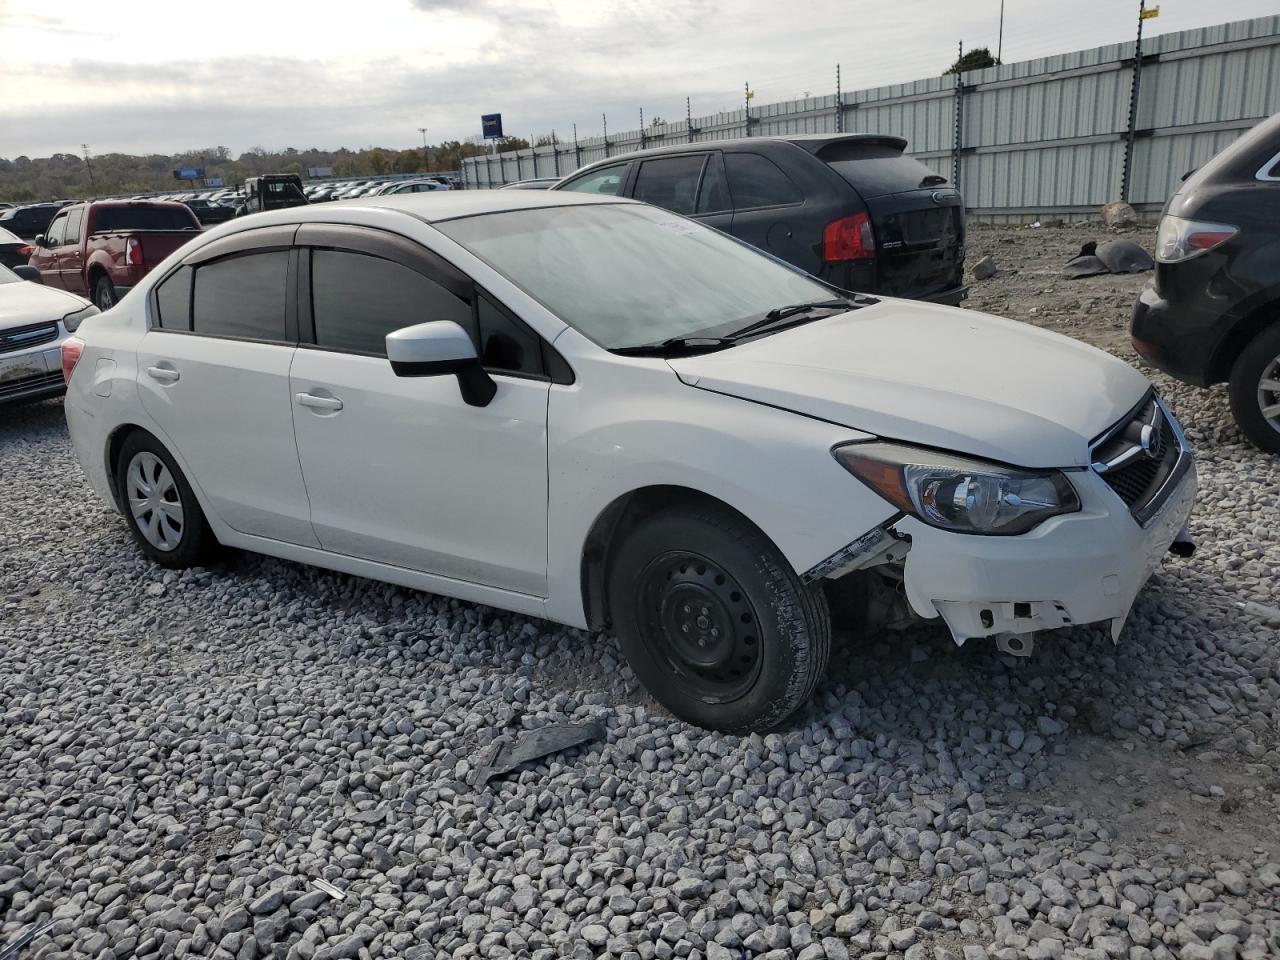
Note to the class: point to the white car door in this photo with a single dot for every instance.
(400, 469)
(213, 373)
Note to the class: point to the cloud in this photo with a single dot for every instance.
(544, 64)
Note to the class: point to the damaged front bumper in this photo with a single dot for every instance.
(1085, 567)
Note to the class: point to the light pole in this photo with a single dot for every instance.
(426, 155)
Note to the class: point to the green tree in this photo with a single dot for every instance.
(975, 59)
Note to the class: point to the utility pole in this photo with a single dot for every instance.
(1126, 175)
(426, 155)
(577, 150)
(604, 122)
(643, 138)
(688, 119)
(1000, 41)
(747, 95)
(88, 166)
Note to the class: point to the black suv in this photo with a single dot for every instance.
(1212, 314)
(851, 209)
(30, 221)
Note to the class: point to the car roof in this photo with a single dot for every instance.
(433, 207)
(809, 142)
(450, 204)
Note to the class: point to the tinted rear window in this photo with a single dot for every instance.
(111, 219)
(874, 169)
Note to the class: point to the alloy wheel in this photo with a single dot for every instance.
(1269, 393)
(702, 626)
(154, 501)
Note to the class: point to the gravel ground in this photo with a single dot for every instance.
(182, 754)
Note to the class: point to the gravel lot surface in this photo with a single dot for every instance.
(182, 754)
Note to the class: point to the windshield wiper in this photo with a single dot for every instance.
(791, 310)
(675, 345)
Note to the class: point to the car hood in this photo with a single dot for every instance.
(29, 302)
(936, 376)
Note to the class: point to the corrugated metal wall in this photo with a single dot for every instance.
(1036, 137)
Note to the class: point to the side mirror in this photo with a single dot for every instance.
(27, 273)
(41, 240)
(437, 348)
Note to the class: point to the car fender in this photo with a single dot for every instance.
(98, 258)
(629, 424)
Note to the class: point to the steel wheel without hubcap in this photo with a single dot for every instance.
(1269, 394)
(154, 501)
(704, 627)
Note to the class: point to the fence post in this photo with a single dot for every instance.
(959, 121)
(1134, 91)
(839, 103)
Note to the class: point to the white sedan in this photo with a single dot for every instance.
(601, 413)
(34, 321)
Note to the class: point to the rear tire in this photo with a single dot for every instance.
(1255, 390)
(714, 621)
(104, 293)
(159, 506)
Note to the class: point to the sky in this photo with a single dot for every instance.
(144, 76)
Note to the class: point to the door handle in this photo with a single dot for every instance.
(163, 374)
(318, 403)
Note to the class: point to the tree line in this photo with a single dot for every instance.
(68, 176)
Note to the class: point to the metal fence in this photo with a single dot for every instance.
(1022, 140)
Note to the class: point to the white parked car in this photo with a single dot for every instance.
(602, 413)
(34, 321)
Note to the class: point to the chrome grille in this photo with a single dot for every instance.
(1143, 457)
(40, 382)
(20, 338)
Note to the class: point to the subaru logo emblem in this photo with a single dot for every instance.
(1149, 436)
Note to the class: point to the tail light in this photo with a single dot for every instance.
(72, 348)
(848, 238)
(133, 252)
(1178, 239)
(26, 250)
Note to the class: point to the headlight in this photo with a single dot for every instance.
(1178, 239)
(956, 493)
(73, 319)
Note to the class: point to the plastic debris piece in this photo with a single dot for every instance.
(329, 888)
(10, 950)
(509, 752)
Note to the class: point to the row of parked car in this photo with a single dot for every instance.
(219, 205)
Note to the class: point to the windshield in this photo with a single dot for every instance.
(626, 275)
(111, 219)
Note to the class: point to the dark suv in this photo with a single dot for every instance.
(851, 209)
(1212, 313)
(30, 221)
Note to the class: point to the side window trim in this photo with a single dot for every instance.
(715, 159)
(386, 245)
(290, 302)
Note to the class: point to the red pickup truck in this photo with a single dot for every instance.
(103, 248)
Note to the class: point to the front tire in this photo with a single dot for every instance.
(159, 506)
(1255, 390)
(104, 293)
(714, 621)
